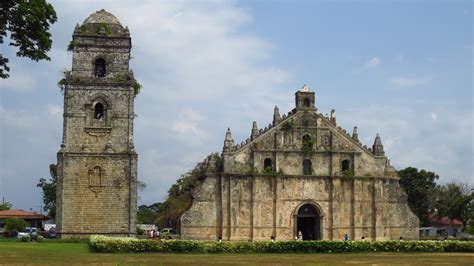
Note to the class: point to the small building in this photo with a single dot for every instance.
(428, 231)
(445, 227)
(33, 219)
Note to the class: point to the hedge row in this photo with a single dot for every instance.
(124, 244)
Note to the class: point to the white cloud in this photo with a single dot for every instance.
(55, 110)
(375, 61)
(200, 74)
(406, 82)
(21, 80)
(410, 137)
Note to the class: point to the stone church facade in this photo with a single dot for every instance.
(97, 164)
(300, 173)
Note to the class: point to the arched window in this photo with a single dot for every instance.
(95, 176)
(307, 142)
(100, 68)
(306, 102)
(267, 165)
(345, 165)
(99, 111)
(307, 167)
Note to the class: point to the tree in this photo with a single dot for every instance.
(28, 22)
(14, 225)
(420, 187)
(148, 214)
(181, 194)
(5, 206)
(455, 201)
(49, 191)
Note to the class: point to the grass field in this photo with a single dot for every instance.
(78, 253)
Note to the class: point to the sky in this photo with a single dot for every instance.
(402, 69)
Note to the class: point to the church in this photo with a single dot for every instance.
(301, 173)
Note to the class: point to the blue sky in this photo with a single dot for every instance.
(399, 68)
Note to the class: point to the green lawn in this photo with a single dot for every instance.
(78, 253)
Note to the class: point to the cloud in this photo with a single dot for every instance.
(23, 82)
(410, 137)
(201, 72)
(55, 110)
(187, 128)
(375, 61)
(406, 82)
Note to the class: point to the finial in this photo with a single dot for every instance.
(333, 116)
(85, 145)
(255, 131)
(108, 146)
(355, 134)
(77, 29)
(228, 141)
(377, 148)
(276, 116)
(305, 88)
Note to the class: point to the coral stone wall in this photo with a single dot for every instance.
(353, 188)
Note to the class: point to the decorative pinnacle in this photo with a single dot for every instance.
(305, 88)
(255, 131)
(77, 29)
(355, 135)
(333, 116)
(229, 141)
(276, 116)
(377, 148)
(228, 135)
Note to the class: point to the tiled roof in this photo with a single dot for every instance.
(446, 221)
(21, 214)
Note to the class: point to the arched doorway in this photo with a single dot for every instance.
(308, 222)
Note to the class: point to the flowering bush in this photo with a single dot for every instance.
(128, 244)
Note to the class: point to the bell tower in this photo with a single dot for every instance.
(97, 164)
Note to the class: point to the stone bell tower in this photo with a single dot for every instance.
(97, 164)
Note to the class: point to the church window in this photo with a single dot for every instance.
(306, 102)
(307, 145)
(100, 67)
(99, 111)
(345, 165)
(307, 167)
(95, 177)
(307, 142)
(267, 165)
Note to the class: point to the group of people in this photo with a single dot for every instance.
(155, 234)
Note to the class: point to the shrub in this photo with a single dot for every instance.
(14, 225)
(128, 244)
(287, 125)
(25, 238)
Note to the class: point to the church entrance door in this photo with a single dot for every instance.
(307, 221)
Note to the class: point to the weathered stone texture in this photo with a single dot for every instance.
(97, 164)
(354, 189)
